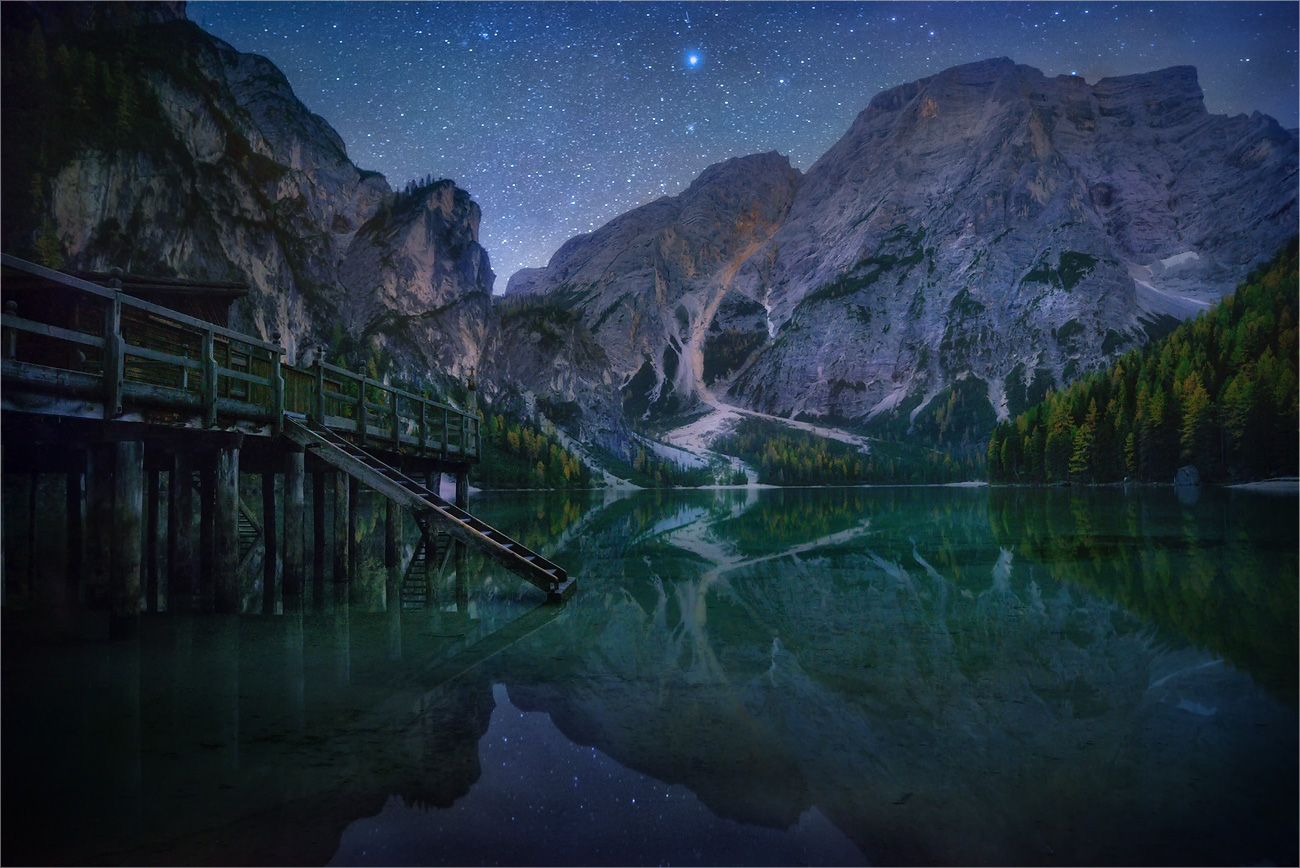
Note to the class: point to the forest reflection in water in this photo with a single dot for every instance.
(909, 675)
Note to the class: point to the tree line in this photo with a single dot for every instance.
(1219, 393)
(521, 455)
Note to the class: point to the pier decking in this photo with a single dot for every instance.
(113, 389)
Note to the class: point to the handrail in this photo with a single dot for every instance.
(159, 356)
(109, 294)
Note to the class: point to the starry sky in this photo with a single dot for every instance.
(558, 117)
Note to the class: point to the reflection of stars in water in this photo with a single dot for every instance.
(543, 799)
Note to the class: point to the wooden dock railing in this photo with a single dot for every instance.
(72, 338)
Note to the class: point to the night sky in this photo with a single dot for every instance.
(557, 117)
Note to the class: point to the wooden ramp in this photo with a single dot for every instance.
(428, 506)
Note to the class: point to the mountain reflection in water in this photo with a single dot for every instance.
(958, 676)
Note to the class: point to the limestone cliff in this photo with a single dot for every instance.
(163, 150)
(988, 230)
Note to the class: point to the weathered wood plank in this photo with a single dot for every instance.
(157, 356)
(231, 374)
(50, 331)
(51, 379)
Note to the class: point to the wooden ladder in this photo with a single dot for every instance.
(428, 560)
(428, 506)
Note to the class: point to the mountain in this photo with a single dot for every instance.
(134, 139)
(975, 237)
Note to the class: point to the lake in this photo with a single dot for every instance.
(800, 676)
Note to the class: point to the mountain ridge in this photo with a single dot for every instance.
(975, 237)
(986, 222)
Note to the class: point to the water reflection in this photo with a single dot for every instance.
(933, 686)
(544, 800)
(888, 675)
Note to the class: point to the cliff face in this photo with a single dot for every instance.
(650, 284)
(988, 227)
(214, 169)
(987, 231)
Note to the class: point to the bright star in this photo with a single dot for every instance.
(693, 59)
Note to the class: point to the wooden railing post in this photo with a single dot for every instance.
(361, 413)
(209, 379)
(397, 423)
(464, 432)
(277, 387)
(444, 431)
(113, 367)
(424, 439)
(318, 403)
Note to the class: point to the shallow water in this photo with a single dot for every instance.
(838, 676)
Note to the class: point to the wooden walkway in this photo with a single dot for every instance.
(127, 369)
(119, 356)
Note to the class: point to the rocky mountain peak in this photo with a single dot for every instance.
(1164, 98)
(975, 236)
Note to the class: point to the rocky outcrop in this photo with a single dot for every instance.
(987, 230)
(223, 174)
(651, 284)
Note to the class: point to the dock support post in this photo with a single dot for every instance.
(99, 543)
(226, 531)
(354, 544)
(74, 503)
(270, 545)
(341, 534)
(151, 542)
(126, 561)
(318, 531)
(181, 591)
(462, 489)
(462, 550)
(392, 554)
(291, 590)
(207, 525)
(31, 534)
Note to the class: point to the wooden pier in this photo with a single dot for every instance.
(113, 391)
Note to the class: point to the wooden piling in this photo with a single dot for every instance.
(226, 531)
(392, 555)
(151, 541)
(341, 535)
(99, 546)
(207, 527)
(182, 592)
(270, 545)
(31, 534)
(74, 503)
(295, 463)
(126, 561)
(462, 489)
(354, 543)
(318, 528)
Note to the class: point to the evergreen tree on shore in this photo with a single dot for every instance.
(1220, 393)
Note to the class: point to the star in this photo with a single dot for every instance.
(538, 109)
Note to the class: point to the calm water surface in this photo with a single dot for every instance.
(843, 676)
